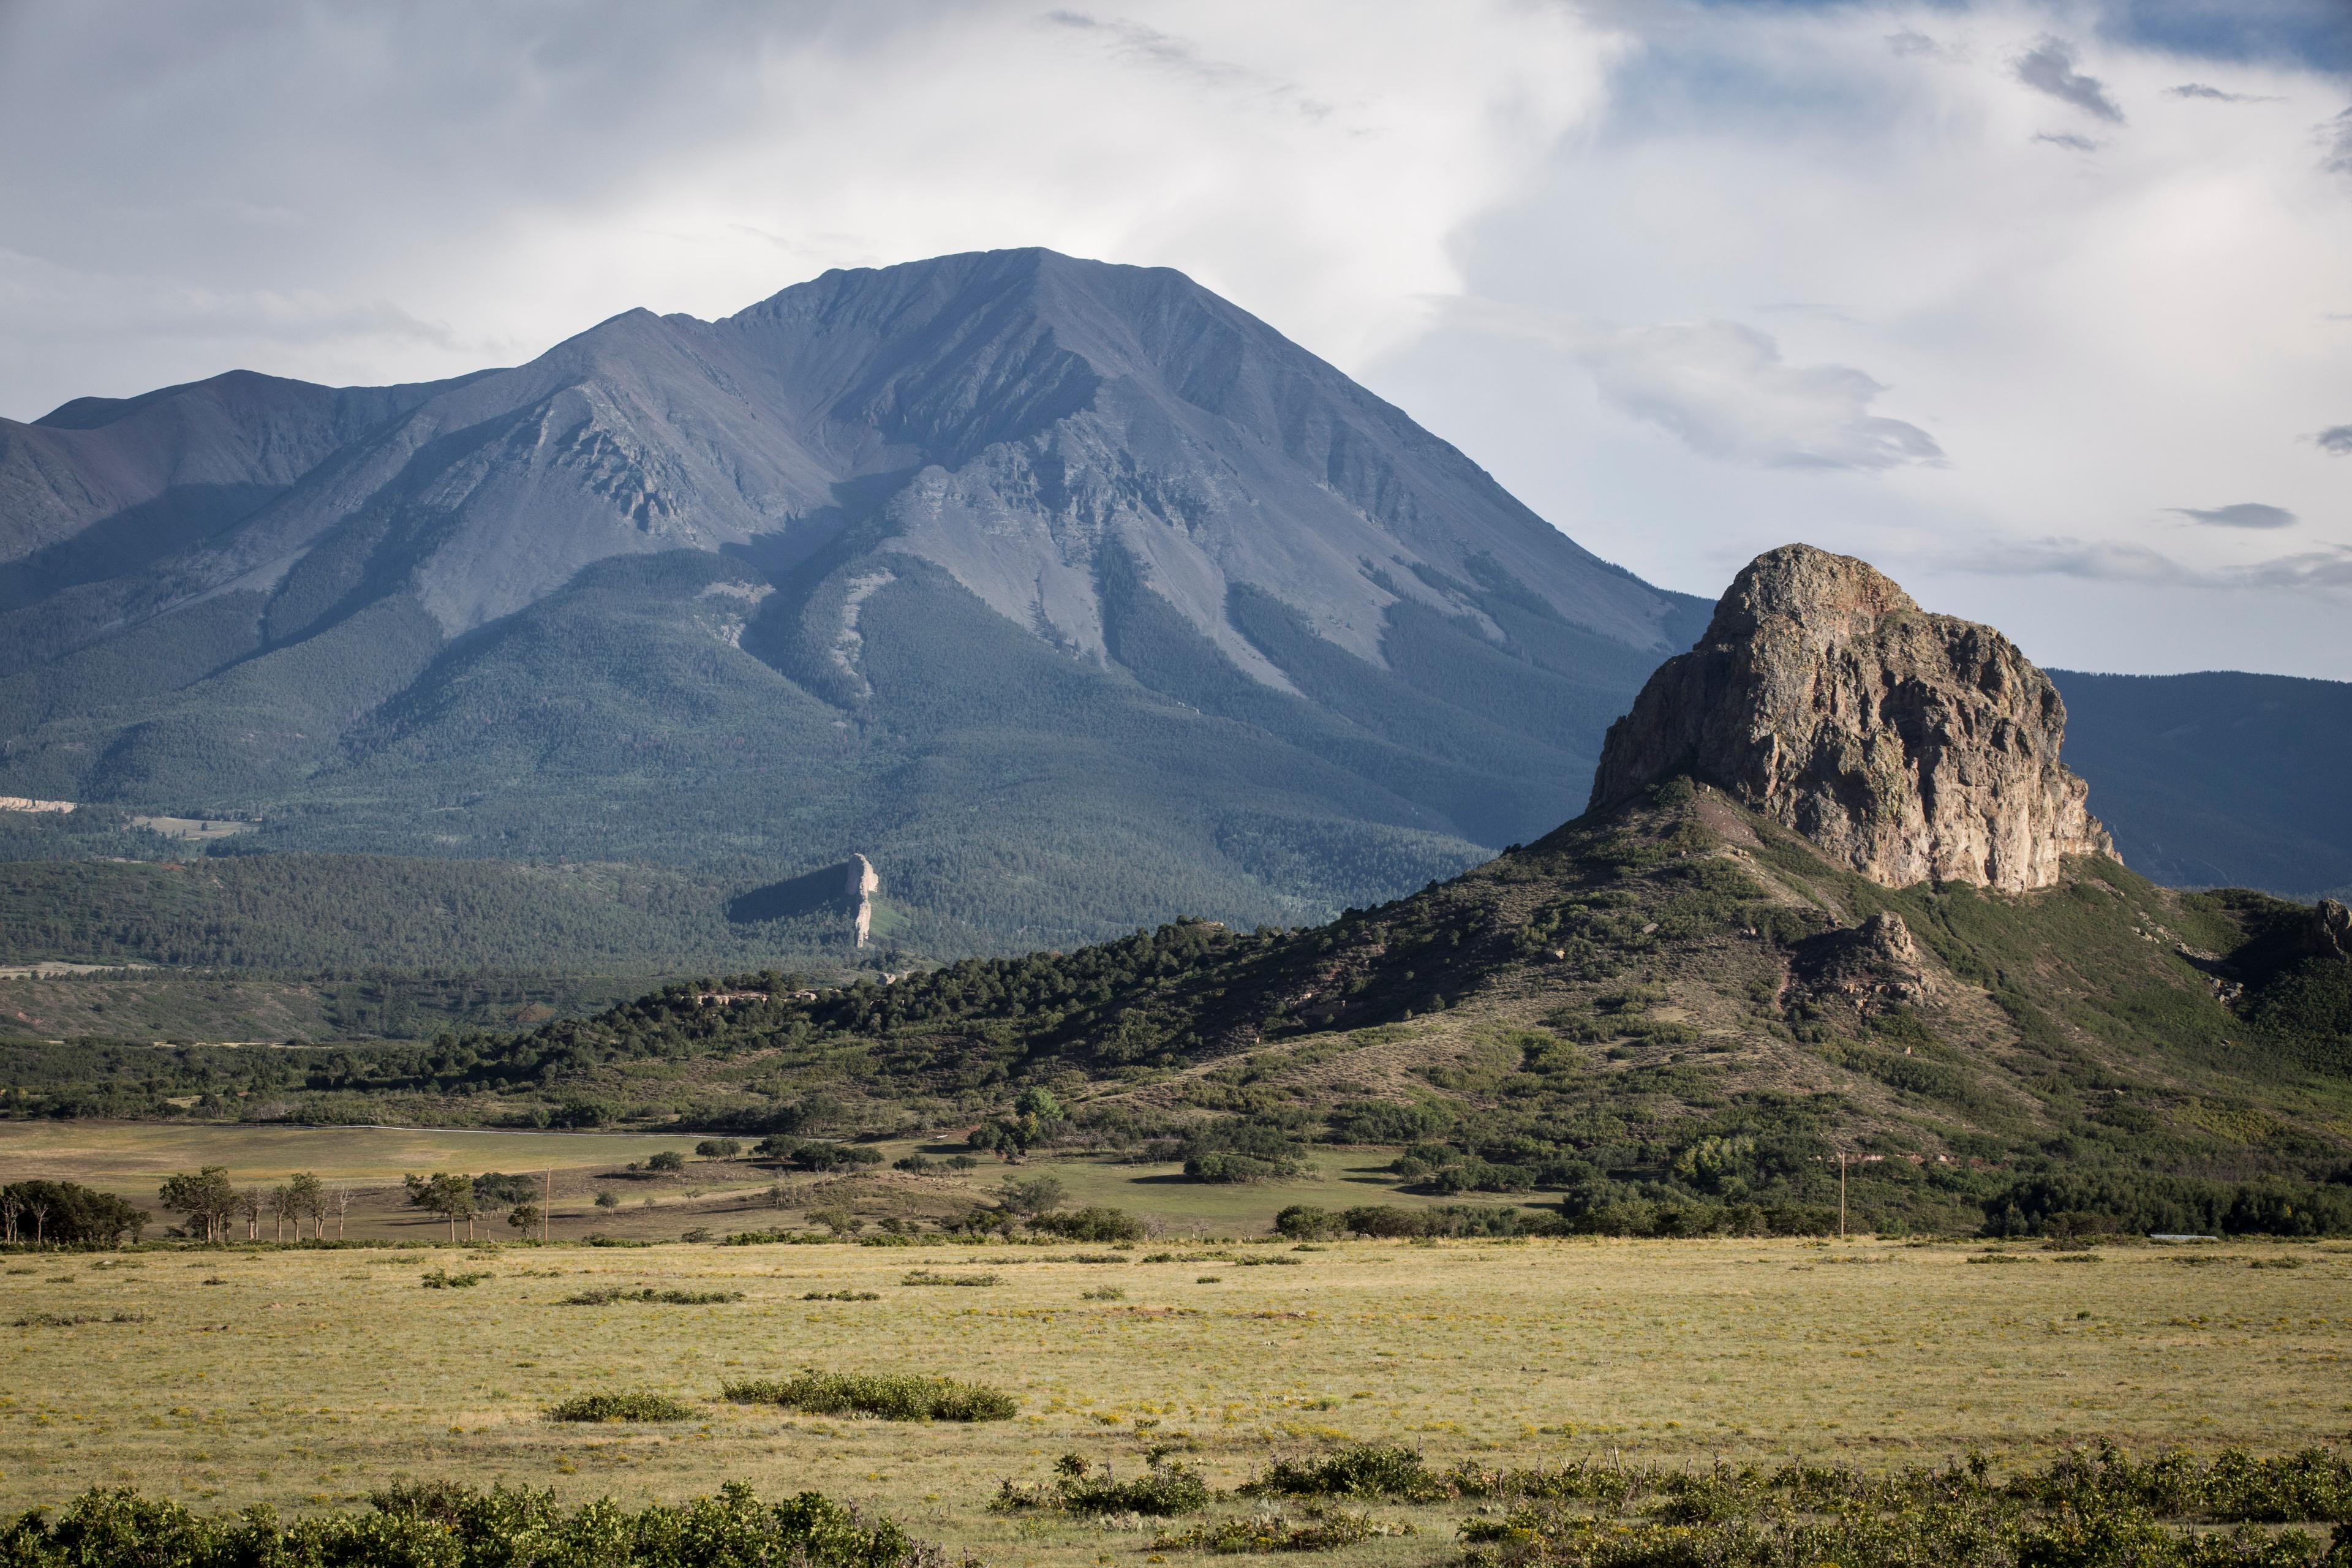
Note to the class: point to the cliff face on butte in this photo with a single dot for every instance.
(1911, 747)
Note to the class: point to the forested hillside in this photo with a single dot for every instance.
(1675, 1015)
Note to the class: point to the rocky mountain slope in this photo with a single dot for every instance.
(1005, 569)
(1673, 1013)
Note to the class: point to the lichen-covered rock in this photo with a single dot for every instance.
(1908, 746)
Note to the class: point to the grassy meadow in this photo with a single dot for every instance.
(306, 1378)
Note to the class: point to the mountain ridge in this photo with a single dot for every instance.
(767, 549)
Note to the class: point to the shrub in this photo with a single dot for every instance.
(718, 1148)
(668, 1160)
(893, 1396)
(1305, 1222)
(1103, 1293)
(445, 1523)
(1361, 1469)
(609, 1294)
(622, 1408)
(1320, 1530)
(842, 1296)
(1093, 1223)
(930, 1276)
(1163, 1491)
(1220, 1167)
(442, 1279)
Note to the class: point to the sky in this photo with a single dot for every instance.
(2044, 307)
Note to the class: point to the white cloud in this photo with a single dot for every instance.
(513, 174)
(1724, 390)
(2090, 340)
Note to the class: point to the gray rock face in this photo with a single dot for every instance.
(1909, 746)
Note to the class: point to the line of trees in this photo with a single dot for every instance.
(211, 1204)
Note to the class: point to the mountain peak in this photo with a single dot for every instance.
(1829, 594)
(1910, 747)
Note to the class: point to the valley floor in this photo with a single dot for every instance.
(305, 1378)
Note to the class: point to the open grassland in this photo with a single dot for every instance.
(306, 1378)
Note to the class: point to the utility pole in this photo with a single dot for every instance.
(1840, 1195)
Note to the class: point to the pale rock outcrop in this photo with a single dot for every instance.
(861, 884)
(1909, 746)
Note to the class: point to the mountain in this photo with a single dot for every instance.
(2221, 778)
(1683, 1012)
(1070, 593)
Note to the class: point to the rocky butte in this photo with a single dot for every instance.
(1910, 747)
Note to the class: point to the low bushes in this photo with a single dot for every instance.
(841, 1296)
(1093, 1222)
(1361, 1469)
(893, 1396)
(607, 1294)
(1305, 1222)
(1163, 1491)
(446, 1524)
(622, 1408)
(1319, 1530)
(442, 1279)
(932, 1276)
(1447, 1219)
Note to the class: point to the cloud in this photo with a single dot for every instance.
(1724, 390)
(2093, 559)
(1908, 43)
(2243, 514)
(2049, 67)
(1136, 44)
(2336, 440)
(2199, 89)
(2069, 141)
(520, 174)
